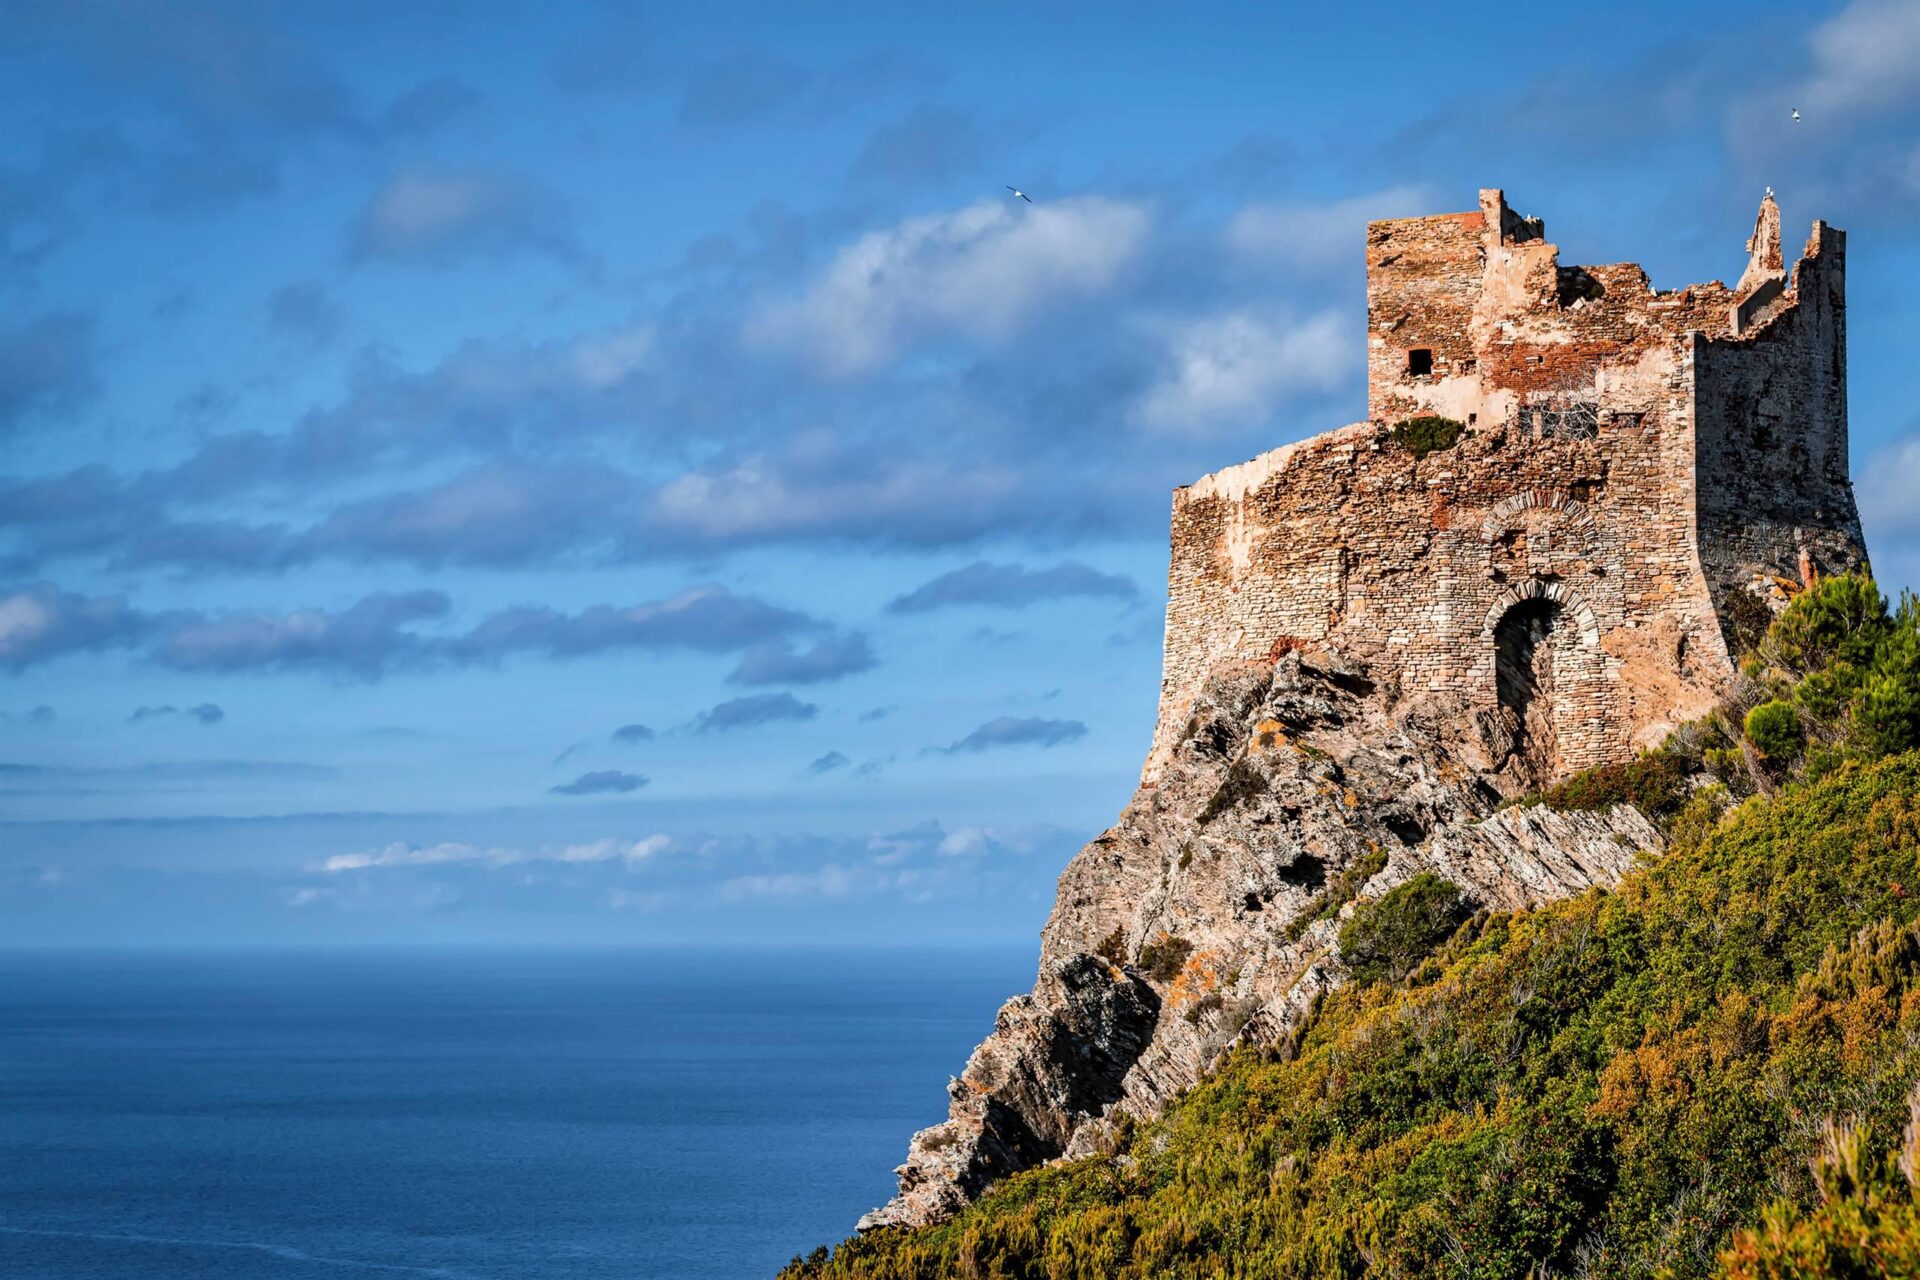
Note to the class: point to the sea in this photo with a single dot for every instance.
(510, 1115)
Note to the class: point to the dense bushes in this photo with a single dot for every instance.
(1428, 434)
(1626, 1084)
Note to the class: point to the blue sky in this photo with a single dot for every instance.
(564, 473)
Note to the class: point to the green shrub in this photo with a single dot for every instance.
(1866, 1226)
(1657, 783)
(1775, 730)
(1837, 620)
(1165, 956)
(1388, 937)
(1886, 709)
(1427, 434)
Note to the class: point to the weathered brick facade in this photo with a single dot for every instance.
(1560, 577)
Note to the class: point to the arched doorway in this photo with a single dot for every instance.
(1524, 646)
(1551, 683)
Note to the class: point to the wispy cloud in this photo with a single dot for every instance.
(47, 362)
(381, 633)
(752, 710)
(440, 216)
(601, 782)
(828, 763)
(1234, 368)
(1319, 237)
(1011, 586)
(631, 852)
(21, 778)
(1019, 731)
(40, 622)
(830, 658)
(204, 713)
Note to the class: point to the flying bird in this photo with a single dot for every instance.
(1796, 115)
(1023, 195)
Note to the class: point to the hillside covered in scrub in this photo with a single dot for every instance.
(1709, 1069)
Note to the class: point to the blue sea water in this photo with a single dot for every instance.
(472, 1116)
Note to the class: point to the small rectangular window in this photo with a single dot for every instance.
(1420, 363)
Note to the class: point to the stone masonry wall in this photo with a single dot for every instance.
(1773, 491)
(1630, 457)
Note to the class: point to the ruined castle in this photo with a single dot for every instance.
(1633, 473)
(1575, 500)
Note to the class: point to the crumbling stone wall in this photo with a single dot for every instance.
(1771, 424)
(1630, 457)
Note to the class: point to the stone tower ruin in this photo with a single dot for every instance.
(1637, 473)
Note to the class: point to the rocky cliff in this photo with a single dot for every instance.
(1208, 913)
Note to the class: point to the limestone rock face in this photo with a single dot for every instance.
(1208, 913)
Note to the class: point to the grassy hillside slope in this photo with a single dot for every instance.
(1710, 1070)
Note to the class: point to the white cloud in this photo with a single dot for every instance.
(984, 270)
(968, 842)
(439, 214)
(1320, 237)
(652, 846)
(1236, 367)
(632, 852)
(815, 484)
(1865, 58)
(830, 881)
(23, 620)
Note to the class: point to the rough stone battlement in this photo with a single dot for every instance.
(1638, 469)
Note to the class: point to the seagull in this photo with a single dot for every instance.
(1023, 195)
(1796, 115)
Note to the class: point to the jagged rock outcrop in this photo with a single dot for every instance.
(1209, 911)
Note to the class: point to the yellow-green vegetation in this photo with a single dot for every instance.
(1704, 1072)
(1659, 784)
(1867, 1222)
(1427, 434)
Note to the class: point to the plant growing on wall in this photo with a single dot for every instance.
(1427, 434)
